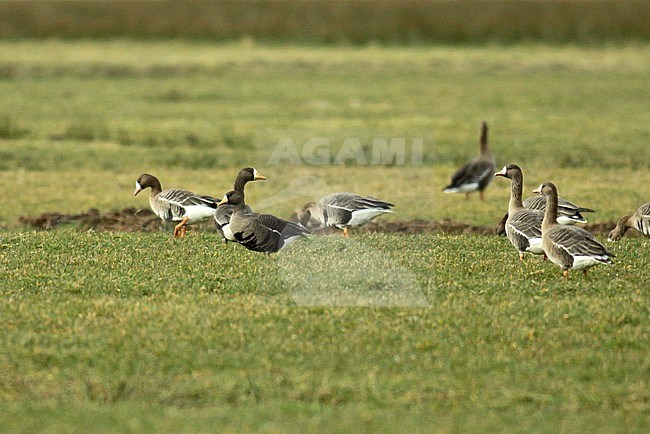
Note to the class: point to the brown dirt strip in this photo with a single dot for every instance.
(143, 220)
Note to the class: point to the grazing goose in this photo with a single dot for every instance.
(260, 232)
(224, 212)
(176, 205)
(570, 247)
(640, 221)
(475, 175)
(523, 226)
(344, 210)
(567, 212)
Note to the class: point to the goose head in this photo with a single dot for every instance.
(145, 181)
(547, 189)
(621, 227)
(250, 174)
(232, 198)
(305, 213)
(510, 171)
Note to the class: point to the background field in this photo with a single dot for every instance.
(333, 21)
(137, 332)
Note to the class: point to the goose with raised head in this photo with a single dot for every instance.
(224, 212)
(569, 247)
(176, 205)
(344, 211)
(523, 226)
(260, 232)
(477, 174)
(639, 221)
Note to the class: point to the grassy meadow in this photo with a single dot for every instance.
(138, 332)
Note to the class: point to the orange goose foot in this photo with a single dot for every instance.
(180, 229)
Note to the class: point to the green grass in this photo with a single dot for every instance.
(93, 116)
(139, 332)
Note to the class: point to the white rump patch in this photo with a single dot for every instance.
(464, 188)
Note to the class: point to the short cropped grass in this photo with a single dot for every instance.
(142, 332)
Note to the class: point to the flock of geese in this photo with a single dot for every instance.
(540, 225)
(235, 221)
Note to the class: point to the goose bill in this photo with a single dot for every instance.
(224, 200)
(538, 190)
(138, 188)
(502, 172)
(258, 176)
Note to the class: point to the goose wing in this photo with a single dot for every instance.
(643, 219)
(578, 242)
(354, 202)
(644, 210)
(284, 227)
(266, 232)
(564, 208)
(527, 223)
(184, 198)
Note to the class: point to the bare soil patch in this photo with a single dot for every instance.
(143, 220)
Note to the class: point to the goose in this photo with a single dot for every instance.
(523, 226)
(344, 211)
(176, 205)
(640, 221)
(260, 232)
(569, 247)
(477, 174)
(224, 212)
(567, 212)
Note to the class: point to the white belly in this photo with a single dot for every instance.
(198, 214)
(363, 216)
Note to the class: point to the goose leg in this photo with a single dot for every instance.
(584, 271)
(565, 273)
(178, 229)
(346, 232)
(521, 256)
(481, 194)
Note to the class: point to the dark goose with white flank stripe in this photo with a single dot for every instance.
(260, 232)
